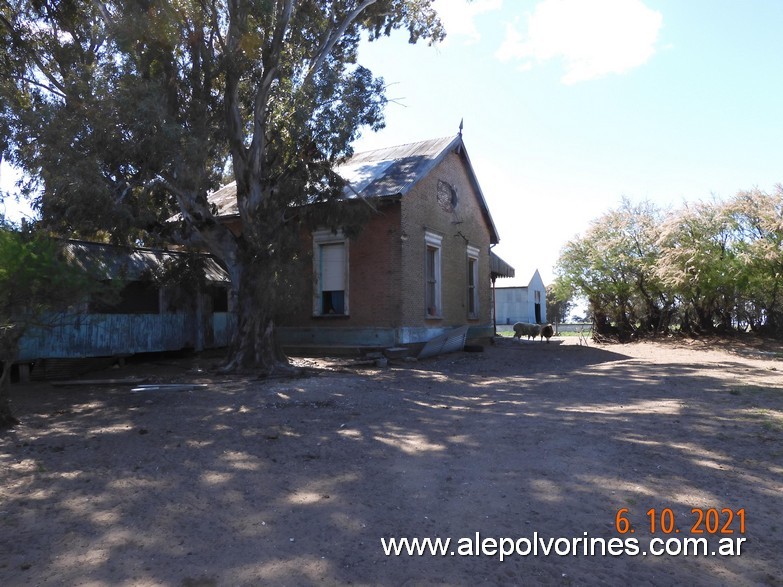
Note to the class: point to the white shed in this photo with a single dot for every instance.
(522, 304)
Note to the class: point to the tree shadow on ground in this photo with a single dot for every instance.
(295, 482)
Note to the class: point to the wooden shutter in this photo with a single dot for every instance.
(333, 267)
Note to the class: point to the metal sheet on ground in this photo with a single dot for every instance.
(449, 342)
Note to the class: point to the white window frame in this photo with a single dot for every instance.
(321, 238)
(433, 242)
(472, 293)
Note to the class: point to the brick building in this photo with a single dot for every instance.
(419, 267)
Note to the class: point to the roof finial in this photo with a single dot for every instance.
(461, 120)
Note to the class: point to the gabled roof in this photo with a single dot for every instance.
(392, 171)
(535, 281)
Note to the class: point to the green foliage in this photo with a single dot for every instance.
(706, 266)
(757, 222)
(613, 266)
(122, 113)
(699, 264)
(34, 282)
(558, 303)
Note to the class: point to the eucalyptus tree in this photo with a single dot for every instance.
(123, 112)
(757, 221)
(558, 303)
(613, 266)
(698, 264)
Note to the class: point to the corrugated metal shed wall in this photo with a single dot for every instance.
(512, 305)
(105, 335)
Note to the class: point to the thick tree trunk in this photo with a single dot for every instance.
(704, 317)
(7, 419)
(254, 345)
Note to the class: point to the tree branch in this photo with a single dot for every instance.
(214, 234)
(271, 63)
(234, 129)
(105, 14)
(326, 48)
(33, 82)
(33, 55)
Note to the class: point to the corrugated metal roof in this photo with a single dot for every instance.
(392, 171)
(226, 200)
(381, 172)
(116, 262)
(498, 267)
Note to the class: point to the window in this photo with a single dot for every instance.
(432, 275)
(330, 268)
(473, 282)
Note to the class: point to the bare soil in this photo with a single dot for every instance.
(296, 481)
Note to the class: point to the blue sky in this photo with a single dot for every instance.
(569, 105)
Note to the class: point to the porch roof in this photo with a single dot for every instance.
(131, 263)
(498, 267)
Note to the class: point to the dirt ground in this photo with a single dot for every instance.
(296, 482)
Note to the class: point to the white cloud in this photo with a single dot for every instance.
(459, 16)
(592, 37)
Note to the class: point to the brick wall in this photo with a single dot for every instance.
(387, 260)
(375, 270)
(373, 279)
(461, 226)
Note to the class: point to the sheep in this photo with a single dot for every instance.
(533, 330)
(524, 328)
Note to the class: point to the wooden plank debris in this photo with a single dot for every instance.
(169, 387)
(83, 382)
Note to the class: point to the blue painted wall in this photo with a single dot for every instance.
(103, 335)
